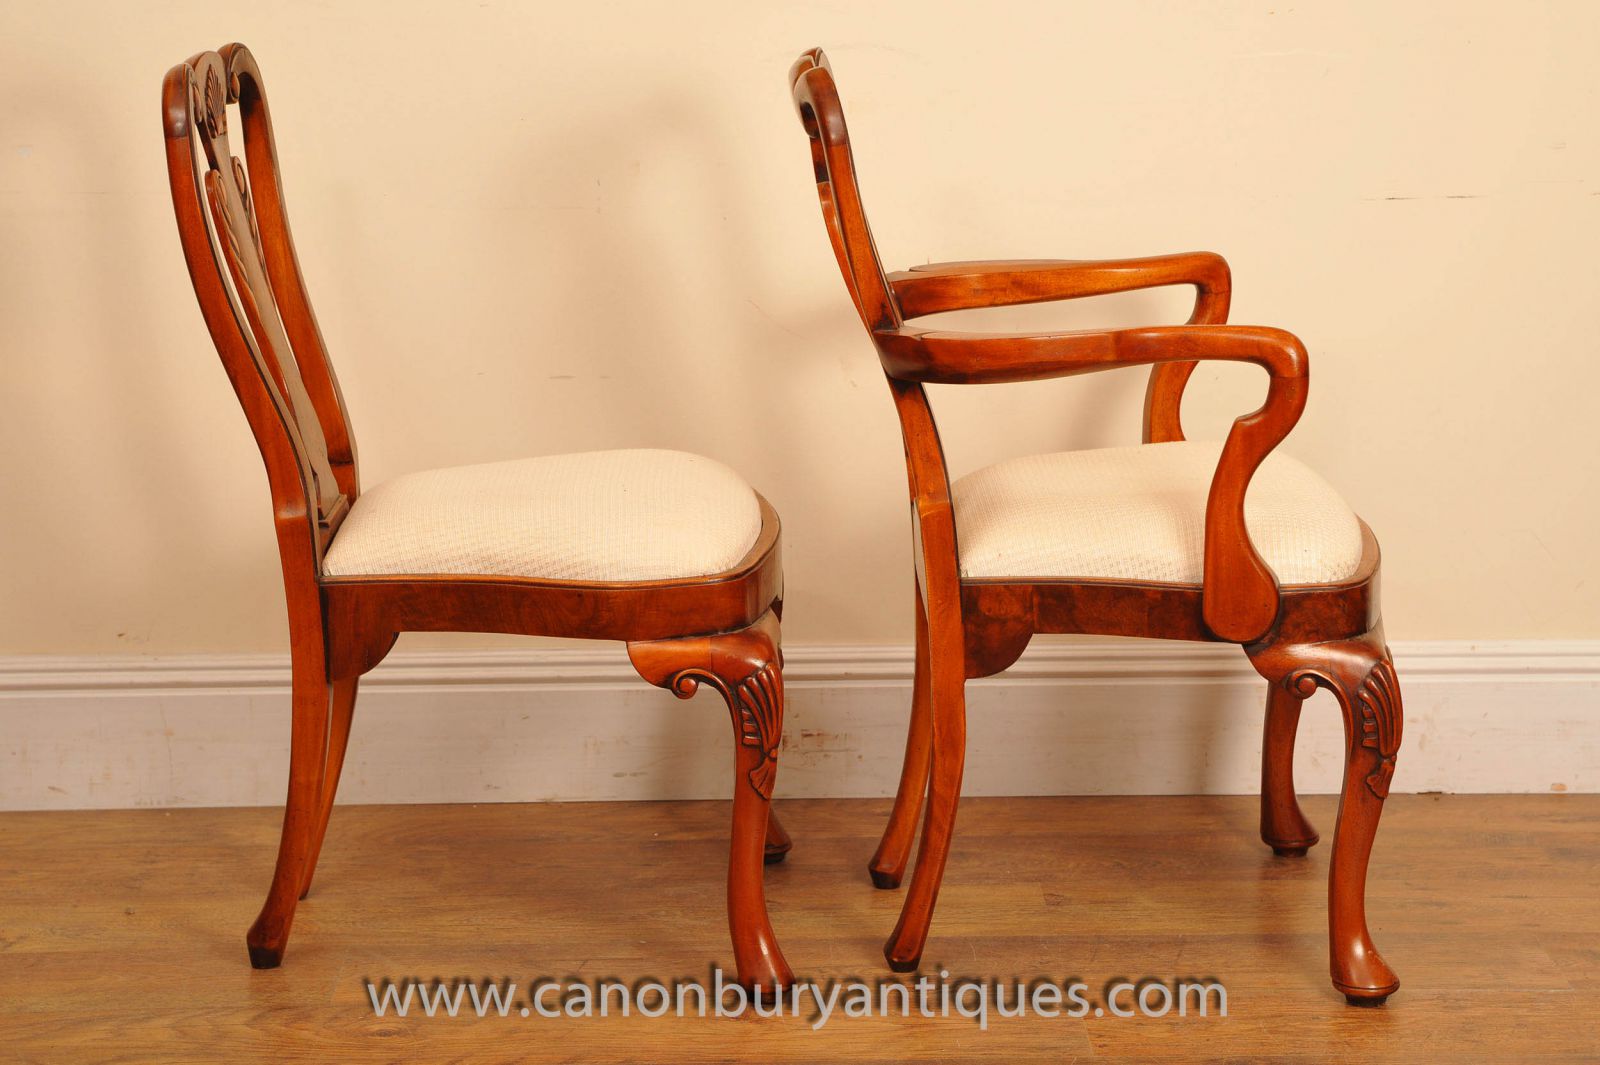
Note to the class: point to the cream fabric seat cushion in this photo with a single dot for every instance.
(636, 515)
(1138, 513)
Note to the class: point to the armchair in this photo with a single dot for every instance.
(1171, 539)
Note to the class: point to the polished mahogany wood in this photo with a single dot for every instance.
(894, 849)
(1299, 637)
(1360, 673)
(745, 667)
(721, 628)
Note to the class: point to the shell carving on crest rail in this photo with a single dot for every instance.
(757, 708)
(1379, 700)
(213, 106)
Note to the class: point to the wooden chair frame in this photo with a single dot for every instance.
(1298, 637)
(720, 629)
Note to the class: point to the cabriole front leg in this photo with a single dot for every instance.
(1361, 675)
(746, 668)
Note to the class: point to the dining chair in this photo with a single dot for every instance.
(1156, 540)
(672, 553)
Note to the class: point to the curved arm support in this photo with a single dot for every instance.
(1240, 591)
(1163, 396)
(940, 287)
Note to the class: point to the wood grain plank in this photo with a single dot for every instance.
(120, 931)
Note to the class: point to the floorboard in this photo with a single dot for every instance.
(122, 933)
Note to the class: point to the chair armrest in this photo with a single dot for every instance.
(1239, 591)
(948, 357)
(940, 287)
(958, 286)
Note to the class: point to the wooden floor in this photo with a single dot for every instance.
(122, 933)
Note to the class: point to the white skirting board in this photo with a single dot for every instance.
(1090, 717)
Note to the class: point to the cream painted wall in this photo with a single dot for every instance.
(540, 227)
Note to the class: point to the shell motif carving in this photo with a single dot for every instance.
(1377, 704)
(757, 708)
(214, 106)
(1379, 701)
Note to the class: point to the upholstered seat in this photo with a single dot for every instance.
(637, 515)
(1138, 513)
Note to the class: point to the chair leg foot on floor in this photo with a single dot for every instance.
(947, 741)
(897, 965)
(746, 669)
(1361, 675)
(884, 881)
(1284, 827)
(308, 748)
(1367, 1001)
(888, 865)
(265, 957)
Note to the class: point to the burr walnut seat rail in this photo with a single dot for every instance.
(718, 628)
(1298, 637)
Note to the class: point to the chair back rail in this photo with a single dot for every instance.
(236, 241)
(934, 533)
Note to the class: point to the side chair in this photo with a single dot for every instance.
(672, 553)
(1156, 540)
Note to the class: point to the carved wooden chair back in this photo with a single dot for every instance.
(822, 115)
(817, 100)
(241, 257)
